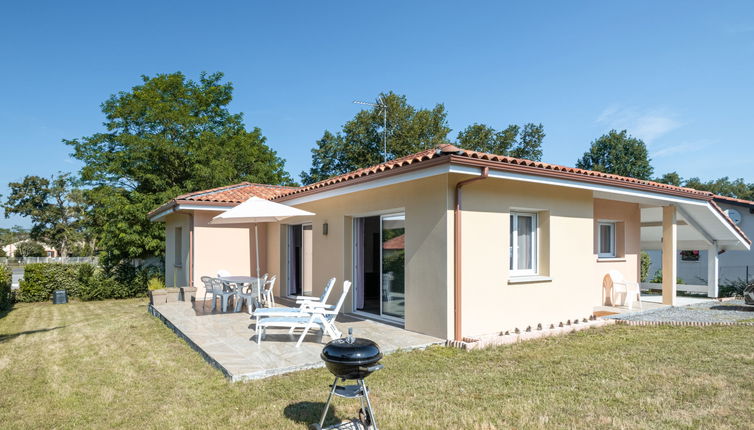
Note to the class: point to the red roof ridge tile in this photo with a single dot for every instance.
(236, 193)
(452, 150)
(734, 199)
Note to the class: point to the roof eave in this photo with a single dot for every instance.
(477, 162)
(537, 171)
(174, 205)
(398, 170)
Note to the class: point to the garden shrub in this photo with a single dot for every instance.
(5, 284)
(84, 281)
(41, 279)
(155, 283)
(658, 278)
(733, 289)
(645, 263)
(119, 282)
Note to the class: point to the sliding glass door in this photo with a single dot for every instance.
(393, 265)
(379, 265)
(300, 259)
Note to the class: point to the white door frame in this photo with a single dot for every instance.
(354, 268)
(290, 259)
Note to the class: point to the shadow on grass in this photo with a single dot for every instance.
(310, 412)
(7, 337)
(6, 311)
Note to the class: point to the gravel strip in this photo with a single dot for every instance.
(711, 312)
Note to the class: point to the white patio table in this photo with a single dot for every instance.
(242, 280)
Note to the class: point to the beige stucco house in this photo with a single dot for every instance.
(453, 243)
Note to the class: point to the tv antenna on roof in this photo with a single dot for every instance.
(383, 108)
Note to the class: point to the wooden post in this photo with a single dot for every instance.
(669, 254)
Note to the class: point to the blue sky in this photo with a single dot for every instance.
(677, 74)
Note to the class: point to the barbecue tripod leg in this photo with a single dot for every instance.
(369, 403)
(329, 399)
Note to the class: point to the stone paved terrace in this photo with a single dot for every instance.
(228, 342)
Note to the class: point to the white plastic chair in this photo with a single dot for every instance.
(218, 289)
(208, 290)
(307, 318)
(268, 295)
(619, 284)
(250, 293)
(222, 273)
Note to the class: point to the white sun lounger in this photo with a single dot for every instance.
(304, 305)
(324, 319)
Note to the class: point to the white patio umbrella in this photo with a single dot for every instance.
(256, 210)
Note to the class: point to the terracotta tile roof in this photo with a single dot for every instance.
(398, 242)
(458, 155)
(237, 193)
(734, 200)
(229, 195)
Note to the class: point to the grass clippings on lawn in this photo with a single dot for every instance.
(111, 365)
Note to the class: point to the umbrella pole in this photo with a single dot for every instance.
(256, 240)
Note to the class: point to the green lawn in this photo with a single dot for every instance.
(109, 364)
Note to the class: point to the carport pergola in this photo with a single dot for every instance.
(686, 224)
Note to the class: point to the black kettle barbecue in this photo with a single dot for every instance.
(351, 358)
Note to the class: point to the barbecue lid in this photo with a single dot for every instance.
(351, 350)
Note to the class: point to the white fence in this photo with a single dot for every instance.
(64, 260)
(687, 288)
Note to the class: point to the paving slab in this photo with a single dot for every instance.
(228, 340)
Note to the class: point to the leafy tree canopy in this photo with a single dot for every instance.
(672, 178)
(55, 207)
(618, 153)
(12, 235)
(359, 143)
(737, 188)
(165, 137)
(513, 141)
(409, 130)
(30, 249)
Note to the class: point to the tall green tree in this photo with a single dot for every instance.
(12, 235)
(55, 207)
(520, 142)
(724, 186)
(359, 143)
(672, 178)
(29, 248)
(618, 153)
(166, 136)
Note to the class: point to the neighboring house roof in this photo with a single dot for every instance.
(734, 201)
(230, 195)
(398, 242)
(450, 153)
(730, 221)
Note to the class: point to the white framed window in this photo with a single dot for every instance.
(606, 239)
(523, 244)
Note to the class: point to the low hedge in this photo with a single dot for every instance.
(84, 281)
(5, 283)
(41, 279)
